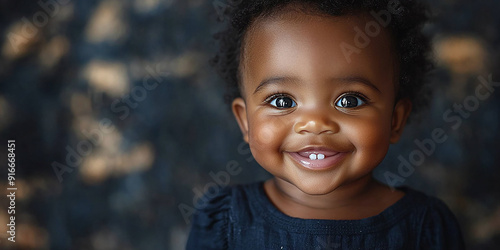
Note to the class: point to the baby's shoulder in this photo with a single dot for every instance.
(216, 212)
(219, 203)
(225, 197)
(435, 222)
(422, 204)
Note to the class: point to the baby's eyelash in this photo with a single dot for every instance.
(357, 94)
(276, 95)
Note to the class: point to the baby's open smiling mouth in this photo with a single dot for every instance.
(317, 158)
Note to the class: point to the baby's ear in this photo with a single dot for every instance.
(399, 116)
(240, 113)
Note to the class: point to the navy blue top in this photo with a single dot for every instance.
(243, 217)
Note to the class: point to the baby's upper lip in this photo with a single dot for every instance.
(305, 152)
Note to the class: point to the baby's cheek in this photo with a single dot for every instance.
(266, 137)
(267, 134)
(372, 143)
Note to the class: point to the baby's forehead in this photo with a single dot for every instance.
(332, 43)
(363, 30)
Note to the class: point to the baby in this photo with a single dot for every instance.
(320, 89)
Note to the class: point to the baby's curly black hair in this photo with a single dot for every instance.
(411, 45)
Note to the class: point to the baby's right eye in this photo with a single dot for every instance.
(283, 102)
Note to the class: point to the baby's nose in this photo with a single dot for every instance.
(316, 123)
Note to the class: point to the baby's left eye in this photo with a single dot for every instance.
(283, 102)
(349, 101)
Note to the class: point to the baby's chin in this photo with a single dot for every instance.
(317, 190)
(314, 187)
(329, 186)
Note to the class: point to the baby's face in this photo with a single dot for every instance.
(312, 118)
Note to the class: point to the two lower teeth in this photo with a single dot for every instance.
(318, 156)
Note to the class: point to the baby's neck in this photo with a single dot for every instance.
(362, 199)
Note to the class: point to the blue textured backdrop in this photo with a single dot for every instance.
(119, 121)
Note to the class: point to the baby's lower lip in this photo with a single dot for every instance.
(329, 160)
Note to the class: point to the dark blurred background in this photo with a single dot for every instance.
(120, 123)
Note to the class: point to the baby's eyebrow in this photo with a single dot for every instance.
(271, 80)
(350, 79)
(346, 79)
